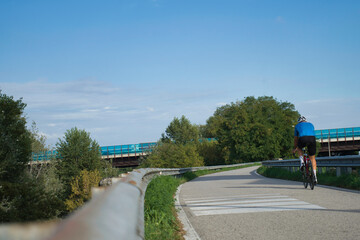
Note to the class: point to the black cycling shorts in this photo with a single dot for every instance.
(309, 142)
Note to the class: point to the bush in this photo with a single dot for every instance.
(28, 200)
(171, 155)
(351, 181)
(281, 173)
(211, 153)
(81, 188)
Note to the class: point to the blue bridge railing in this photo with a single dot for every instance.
(348, 133)
(127, 149)
(143, 148)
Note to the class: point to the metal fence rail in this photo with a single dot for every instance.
(115, 213)
(343, 164)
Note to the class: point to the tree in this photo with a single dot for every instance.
(177, 147)
(38, 145)
(254, 129)
(77, 152)
(38, 140)
(22, 197)
(181, 131)
(171, 155)
(15, 143)
(211, 152)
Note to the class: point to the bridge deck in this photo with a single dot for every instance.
(337, 135)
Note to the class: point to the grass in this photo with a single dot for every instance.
(160, 214)
(159, 209)
(349, 181)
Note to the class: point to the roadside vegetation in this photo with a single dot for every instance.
(254, 129)
(31, 192)
(349, 181)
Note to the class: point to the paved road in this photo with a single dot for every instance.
(240, 204)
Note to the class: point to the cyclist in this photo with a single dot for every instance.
(305, 137)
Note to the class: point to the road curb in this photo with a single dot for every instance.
(191, 234)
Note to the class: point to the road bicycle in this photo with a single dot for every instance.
(307, 173)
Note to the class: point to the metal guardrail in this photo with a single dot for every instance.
(341, 163)
(115, 213)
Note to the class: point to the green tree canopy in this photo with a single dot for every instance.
(77, 152)
(181, 131)
(254, 129)
(38, 140)
(15, 142)
(171, 155)
(22, 196)
(177, 147)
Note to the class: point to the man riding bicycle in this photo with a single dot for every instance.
(305, 137)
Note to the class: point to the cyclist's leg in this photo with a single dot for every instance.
(313, 162)
(300, 152)
(312, 151)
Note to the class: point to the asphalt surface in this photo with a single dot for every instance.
(240, 204)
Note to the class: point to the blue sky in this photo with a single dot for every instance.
(123, 69)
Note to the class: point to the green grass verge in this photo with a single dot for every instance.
(349, 181)
(159, 210)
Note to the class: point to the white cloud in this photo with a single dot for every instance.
(331, 113)
(113, 115)
(221, 104)
(116, 115)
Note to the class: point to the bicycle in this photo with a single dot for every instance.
(307, 173)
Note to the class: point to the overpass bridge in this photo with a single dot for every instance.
(338, 140)
(332, 142)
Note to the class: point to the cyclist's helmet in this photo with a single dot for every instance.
(302, 119)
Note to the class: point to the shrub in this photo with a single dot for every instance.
(81, 188)
(171, 155)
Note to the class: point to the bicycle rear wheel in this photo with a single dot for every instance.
(305, 180)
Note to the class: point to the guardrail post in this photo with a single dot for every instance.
(338, 171)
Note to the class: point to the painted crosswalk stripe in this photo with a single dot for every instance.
(247, 204)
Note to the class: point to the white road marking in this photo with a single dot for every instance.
(247, 204)
(235, 198)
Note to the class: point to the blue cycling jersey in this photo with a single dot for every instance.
(304, 129)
